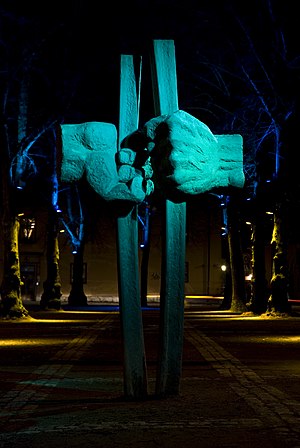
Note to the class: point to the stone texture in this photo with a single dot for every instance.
(188, 157)
(90, 149)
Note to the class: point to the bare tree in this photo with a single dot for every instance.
(75, 226)
(11, 300)
(235, 292)
(51, 295)
(250, 83)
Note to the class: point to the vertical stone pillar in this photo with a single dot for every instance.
(135, 374)
(173, 246)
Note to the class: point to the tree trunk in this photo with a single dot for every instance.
(52, 286)
(278, 300)
(226, 302)
(238, 299)
(77, 296)
(11, 306)
(11, 300)
(259, 299)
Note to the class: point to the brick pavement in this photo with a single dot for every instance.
(61, 383)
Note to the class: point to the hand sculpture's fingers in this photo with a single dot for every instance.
(132, 191)
(134, 169)
(91, 149)
(139, 188)
(126, 173)
(126, 156)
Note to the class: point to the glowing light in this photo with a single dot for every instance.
(248, 223)
(223, 267)
(28, 226)
(248, 277)
(57, 208)
(269, 213)
(32, 342)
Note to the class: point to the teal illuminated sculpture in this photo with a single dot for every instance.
(90, 149)
(185, 156)
(176, 153)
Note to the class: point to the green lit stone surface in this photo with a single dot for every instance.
(90, 149)
(187, 157)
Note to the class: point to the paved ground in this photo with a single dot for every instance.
(61, 382)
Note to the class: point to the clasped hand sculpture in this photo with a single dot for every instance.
(177, 153)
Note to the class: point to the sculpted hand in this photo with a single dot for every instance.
(188, 159)
(90, 149)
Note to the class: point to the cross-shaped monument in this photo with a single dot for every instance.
(185, 159)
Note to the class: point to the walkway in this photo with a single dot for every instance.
(61, 382)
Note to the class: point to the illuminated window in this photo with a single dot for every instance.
(27, 229)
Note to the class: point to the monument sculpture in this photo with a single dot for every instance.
(174, 152)
(179, 150)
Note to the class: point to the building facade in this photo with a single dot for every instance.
(204, 258)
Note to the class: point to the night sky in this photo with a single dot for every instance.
(74, 48)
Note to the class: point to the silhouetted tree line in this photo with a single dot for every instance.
(238, 72)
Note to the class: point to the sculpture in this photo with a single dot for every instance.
(183, 158)
(91, 149)
(177, 150)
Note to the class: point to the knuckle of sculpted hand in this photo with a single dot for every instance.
(126, 156)
(126, 173)
(136, 188)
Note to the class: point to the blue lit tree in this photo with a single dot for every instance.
(251, 80)
(74, 224)
(31, 95)
(11, 305)
(20, 51)
(51, 295)
(269, 70)
(234, 290)
(11, 301)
